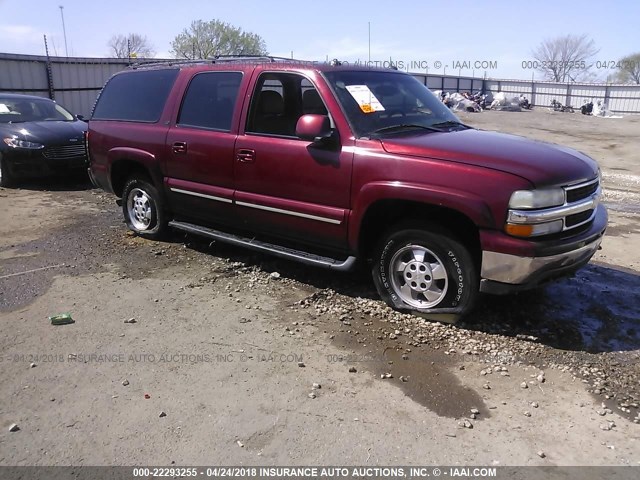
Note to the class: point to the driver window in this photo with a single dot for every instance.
(311, 101)
(279, 100)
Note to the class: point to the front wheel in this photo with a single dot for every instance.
(425, 271)
(143, 208)
(6, 178)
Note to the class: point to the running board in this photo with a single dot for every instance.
(277, 250)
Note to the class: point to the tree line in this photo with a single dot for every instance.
(567, 58)
(200, 41)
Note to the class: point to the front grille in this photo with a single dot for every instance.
(580, 192)
(576, 194)
(66, 152)
(578, 218)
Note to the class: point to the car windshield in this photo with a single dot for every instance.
(381, 103)
(18, 110)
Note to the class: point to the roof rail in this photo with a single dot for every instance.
(218, 59)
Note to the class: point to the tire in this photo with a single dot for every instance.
(6, 177)
(426, 271)
(143, 208)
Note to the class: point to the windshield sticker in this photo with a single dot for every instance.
(365, 98)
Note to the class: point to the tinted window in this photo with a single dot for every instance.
(138, 96)
(210, 100)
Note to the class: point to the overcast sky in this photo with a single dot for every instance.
(449, 34)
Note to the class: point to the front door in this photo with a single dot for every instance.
(285, 186)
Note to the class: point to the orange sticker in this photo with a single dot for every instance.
(366, 108)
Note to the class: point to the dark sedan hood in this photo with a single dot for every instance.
(541, 163)
(50, 132)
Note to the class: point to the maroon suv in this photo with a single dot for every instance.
(328, 164)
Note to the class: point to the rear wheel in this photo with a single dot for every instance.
(143, 208)
(425, 270)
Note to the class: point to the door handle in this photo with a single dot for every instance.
(180, 147)
(246, 155)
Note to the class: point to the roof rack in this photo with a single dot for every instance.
(219, 59)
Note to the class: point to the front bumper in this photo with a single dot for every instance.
(32, 163)
(509, 272)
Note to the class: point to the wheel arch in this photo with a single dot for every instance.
(126, 162)
(123, 169)
(383, 216)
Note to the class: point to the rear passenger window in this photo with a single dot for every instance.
(210, 100)
(136, 96)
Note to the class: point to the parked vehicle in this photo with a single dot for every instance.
(329, 164)
(39, 138)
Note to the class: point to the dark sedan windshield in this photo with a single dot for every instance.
(27, 109)
(387, 102)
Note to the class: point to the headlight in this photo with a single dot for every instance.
(15, 142)
(523, 222)
(530, 199)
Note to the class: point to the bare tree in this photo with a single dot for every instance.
(208, 39)
(132, 45)
(629, 69)
(566, 58)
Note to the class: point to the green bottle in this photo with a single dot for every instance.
(62, 319)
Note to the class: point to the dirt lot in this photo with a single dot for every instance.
(227, 345)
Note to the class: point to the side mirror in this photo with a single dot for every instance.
(313, 127)
(81, 118)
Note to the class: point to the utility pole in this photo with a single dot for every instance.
(369, 42)
(64, 31)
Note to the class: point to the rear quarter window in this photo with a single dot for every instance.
(137, 96)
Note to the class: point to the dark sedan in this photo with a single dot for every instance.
(38, 138)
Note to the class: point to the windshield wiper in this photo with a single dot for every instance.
(404, 126)
(450, 123)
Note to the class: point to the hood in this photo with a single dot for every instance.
(543, 164)
(49, 133)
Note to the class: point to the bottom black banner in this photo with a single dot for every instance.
(319, 472)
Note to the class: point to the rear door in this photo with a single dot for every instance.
(199, 169)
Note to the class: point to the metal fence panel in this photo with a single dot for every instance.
(76, 82)
(22, 75)
(622, 100)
